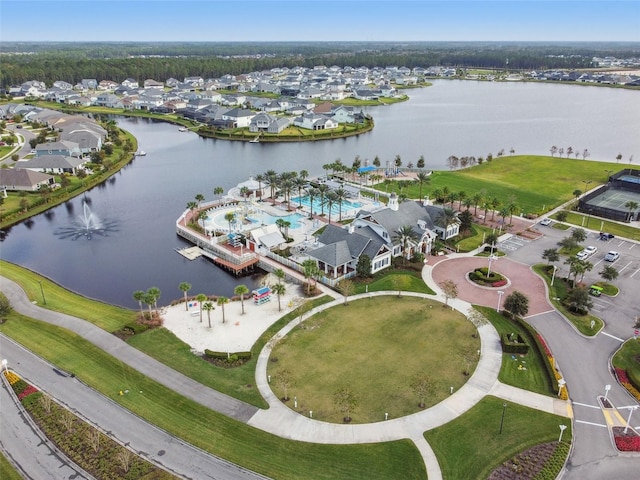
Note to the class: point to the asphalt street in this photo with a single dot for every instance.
(585, 361)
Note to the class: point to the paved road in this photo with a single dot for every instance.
(123, 426)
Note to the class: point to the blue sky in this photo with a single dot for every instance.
(319, 20)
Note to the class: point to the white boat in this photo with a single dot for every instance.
(183, 129)
(140, 153)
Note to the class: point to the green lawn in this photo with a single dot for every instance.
(471, 446)
(628, 357)
(7, 472)
(405, 338)
(390, 280)
(534, 378)
(210, 431)
(473, 241)
(559, 291)
(596, 223)
(538, 183)
(59, 299)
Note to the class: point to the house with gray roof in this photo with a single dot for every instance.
(20, 179)
(64, 147)
(424, 220)
(56, 164)
(340, 248)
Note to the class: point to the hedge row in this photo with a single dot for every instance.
(532, 335)
(516, 345)
(227, 355)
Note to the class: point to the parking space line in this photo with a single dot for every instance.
(613, 336)
(634, 273)
(622, 269)
(587, 405)
(632, 245)
(591, 423)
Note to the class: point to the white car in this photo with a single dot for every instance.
(586, 253)
(611, 256)
(545, 221)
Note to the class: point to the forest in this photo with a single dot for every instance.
(71, 62)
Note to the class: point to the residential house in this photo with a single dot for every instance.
(107, 85)
(238, 117)
(153, 84)
(109, 100)
(65, 148)
(312, 121)
(130, 83)
(89, 83)
(20, 179)
(55, 164)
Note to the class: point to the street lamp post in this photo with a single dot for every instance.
(5, 365)
(44, 300)
(561, 383)
(500, 293)
(553, 276)
(607, 387)
(504, 408)
(562, 429)
(631, 410)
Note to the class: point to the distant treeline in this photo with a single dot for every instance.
(72, 62)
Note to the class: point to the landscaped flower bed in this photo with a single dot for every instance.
(626, 442)
(481, 276)
(540, 462)
(626, 383)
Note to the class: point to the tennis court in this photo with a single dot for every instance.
(614, 199)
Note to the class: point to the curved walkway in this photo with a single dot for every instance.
(284, 422)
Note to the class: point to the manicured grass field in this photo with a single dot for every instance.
(377, 347)
(596, 223)
(210, 431)
(407, 280)
(471, 446)
(532, 376)
(537, 183)
(59, 299)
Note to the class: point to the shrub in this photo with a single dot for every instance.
(514, 343)
(232, 358)
(500, 283)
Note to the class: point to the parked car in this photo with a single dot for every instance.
(545, 221)
(612, 256)
(606, 236)
(586, 253)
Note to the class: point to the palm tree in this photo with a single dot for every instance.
(155, 293)
(208, 306)
(221, 303)
(313, 193)
(512, 207)
(300, 184)
(422, 178)
(504, 213)
(445, 194)
(310, 270)
(322, 191)
(138, 296)
(271, 177)
(330, 198)
(304, 174)
(405, 235)
(446, 218)
(230, 217)
(420, 163)
(286, 185)
(241, 290)
(148, 300)
(199, 199)
(260, 178)
(279, 273)
(245, 192)
(201, 298)
(631, 205)
(477, 199)
(185, 287)
(192, 206)
(341, 196)
(494, 203)
(279, 289)
(218, 191)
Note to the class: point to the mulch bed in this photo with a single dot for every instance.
(525, 465)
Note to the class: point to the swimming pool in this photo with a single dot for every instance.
(248, 220)
(347, 205)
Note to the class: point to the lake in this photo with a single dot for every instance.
(145, 198)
